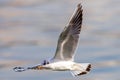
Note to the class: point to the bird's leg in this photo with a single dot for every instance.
(20, 69)
(38, 67)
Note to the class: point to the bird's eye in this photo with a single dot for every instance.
(44, 62)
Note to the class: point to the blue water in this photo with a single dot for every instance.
(29, 31)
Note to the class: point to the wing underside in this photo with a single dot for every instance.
(68, 39)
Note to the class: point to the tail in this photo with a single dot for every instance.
(81, 69)
(21, 69)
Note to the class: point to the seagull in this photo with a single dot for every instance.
(63, 60)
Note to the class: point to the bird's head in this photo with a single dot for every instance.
(45, 62)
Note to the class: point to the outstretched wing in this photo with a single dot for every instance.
(68, 39)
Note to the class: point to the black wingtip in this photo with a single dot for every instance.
(77, 16)
(79, 5)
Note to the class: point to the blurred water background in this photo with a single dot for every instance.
(29, 31)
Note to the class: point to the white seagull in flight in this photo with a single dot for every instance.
(64, 55)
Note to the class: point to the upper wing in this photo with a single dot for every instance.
(68, 39)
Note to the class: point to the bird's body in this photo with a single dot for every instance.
(60, 66)
(63, 59)
(65, 66)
